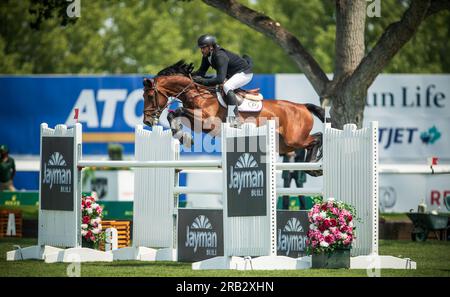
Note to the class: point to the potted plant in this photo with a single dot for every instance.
(331, 233)
(91, 219)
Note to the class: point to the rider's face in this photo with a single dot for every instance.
(205, 50)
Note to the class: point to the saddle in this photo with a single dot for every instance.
(251, 99)
(252, 94)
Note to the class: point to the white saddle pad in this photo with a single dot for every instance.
(246, 106)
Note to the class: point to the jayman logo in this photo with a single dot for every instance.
(292, 238)
(244, 175)
(57, 172)
(430, 136)
(200, 234)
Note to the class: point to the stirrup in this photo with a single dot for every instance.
(234, 121)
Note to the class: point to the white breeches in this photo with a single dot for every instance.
(236, 81)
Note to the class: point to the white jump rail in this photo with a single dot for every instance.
(350, 168)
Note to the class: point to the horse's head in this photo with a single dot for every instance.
(152, 102)
(171, 82)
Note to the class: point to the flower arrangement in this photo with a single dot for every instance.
(331, 226)
(91, 219)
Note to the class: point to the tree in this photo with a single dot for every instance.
(354, 69)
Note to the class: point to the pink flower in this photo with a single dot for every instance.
(86, 220)
(329, 239)
(333, 222)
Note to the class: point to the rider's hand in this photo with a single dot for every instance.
(198, 79)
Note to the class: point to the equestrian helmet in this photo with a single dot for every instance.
(206, 40)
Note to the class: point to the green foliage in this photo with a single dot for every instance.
(144, 36)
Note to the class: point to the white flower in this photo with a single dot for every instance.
(323, 214)
(326, 233)
(95, 231)
(312, 227)
(331, 199)
(83, 232)
(350, 224)
(99, 227)
(94, 206)
(324, 244)
(343, 236)
(89, 210)
(84, 226)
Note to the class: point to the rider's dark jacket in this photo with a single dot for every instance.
(225, 63)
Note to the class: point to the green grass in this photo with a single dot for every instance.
(432, 257)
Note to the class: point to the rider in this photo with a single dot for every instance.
(237, 70)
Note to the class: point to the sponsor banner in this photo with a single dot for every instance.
(200, 234)
(246, 176)
(413, 112)
(292, 233)
(413, 140)
(110, 185)
(109, 108)
(404, 192)
(57, 167)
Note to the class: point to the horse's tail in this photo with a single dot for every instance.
(317, 111)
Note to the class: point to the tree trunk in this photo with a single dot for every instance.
(347, 104)
(344, 113)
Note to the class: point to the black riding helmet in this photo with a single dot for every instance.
(206, 40)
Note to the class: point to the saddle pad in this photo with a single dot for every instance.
(246, 106)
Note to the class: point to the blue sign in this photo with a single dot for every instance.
(109, 108)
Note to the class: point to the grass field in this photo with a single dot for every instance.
(432, 257)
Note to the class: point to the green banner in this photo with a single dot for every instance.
(28, 202)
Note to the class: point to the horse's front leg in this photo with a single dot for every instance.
(175, 119)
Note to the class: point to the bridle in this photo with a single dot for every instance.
(157, 113)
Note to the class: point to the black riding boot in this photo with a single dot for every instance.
(233, 103)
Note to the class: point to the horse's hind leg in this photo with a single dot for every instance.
(314, 153)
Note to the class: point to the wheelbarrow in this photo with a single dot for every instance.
(426, 222)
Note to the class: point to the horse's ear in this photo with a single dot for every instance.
(147, 82)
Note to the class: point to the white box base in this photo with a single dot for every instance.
(145, 254)
(381, 262)
(79, 255)
(259, 263)
(35, 252)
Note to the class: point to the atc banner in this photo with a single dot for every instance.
(109, 108)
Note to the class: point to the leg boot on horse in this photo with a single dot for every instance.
(315, 153)
(233, 112)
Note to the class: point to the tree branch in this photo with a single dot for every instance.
(272, 29)
(437, 6)
(393, 39)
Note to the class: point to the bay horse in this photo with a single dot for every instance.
(201, 107)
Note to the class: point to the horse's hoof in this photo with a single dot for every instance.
(187, 139)
(314, 172)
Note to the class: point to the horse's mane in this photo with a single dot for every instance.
(178, 68)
